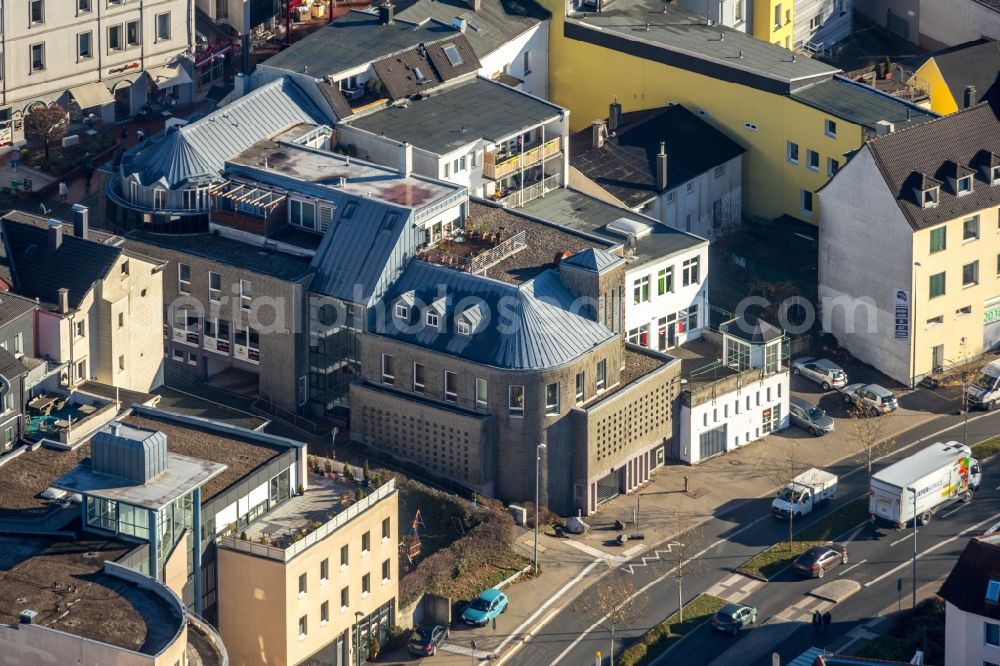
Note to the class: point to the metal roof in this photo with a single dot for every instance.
(525, 327)
(861, 104)
(199, 149)
(592, 259)
(454, 116)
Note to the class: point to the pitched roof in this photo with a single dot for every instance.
(9, 365)
(751, 328)
(199, 149)
(36, 271)
(920, 155)
(974, 63)
(966, 585)
(861, 104)
(592, 259)
(13, 307)
(456, 115)
(425, 67)
(626, 165)
(546, 333)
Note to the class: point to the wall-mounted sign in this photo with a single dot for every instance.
(37, 104)
(125, 68)
(901, 310)
(991, 314)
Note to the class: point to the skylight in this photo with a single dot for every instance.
(993, 591)
(627, 227)
(454, 57)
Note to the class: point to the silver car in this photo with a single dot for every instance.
(809, 417)
(823, 371)
(870, 398)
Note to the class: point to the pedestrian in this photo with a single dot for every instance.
(88, 169)
(63, 191)
(140, 134)
(124, 134)
(817, 622)
(15, 159)
(827, 619)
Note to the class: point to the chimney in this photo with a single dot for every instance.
(405, 159)
(661, 168)
(459, 23)
(81, 221)
(474, 5)
(55, 234)
(884, 127)
(970, 96)
(614, 115)
(386, 13)
(114, 428)
(598, 133)
(63, 300)
(28, 616)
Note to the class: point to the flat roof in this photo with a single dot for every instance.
(665, 33)
(494, 24)
(64, 582)
(451, 117)
(318, 504)
(580, 212)
(861, 104)
(30, 473)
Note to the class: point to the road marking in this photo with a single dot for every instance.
(460, 649)
(908, 535)
(858, 564)
(654, 557)
(948, 513)
(735, 588)
(930, 550)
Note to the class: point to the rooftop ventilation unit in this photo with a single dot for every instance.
(626, 227)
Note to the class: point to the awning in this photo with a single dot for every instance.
(91, 94)
(171, 75)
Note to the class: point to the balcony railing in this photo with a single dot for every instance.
(529, 193)
(496, 168)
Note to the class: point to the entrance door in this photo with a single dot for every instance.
(123, 101)
(712, 443)
(991, 335)
(937, 358)
(610, 486)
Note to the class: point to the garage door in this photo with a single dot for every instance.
(712, 443)
(991, 325)
(610, 486)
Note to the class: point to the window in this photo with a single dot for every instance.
(738, 11)
(454, 57)
(991, 633)
(993, 590)
(964, 185)
(386, 528)
(366, 585)
(963, 311)
(481, 393)
(812, 159)
(36, 11)
(419, 374)
(995, 175)
(552, 398)
(792, 152)
(602, 371)
(998, 264)
(830, 128)
(388, 369)
(121, 319)
(515, 403)
(750, 126)
(114, 38)
(303, 627)
(303, 585)
(386, 571)
(936, 287)
(324, 612)
(345, 598)
(970, 228)
(84, 45)
(929, 197)
(324, 570)
(939, 239)
(344, 557)
(246, 295)
(580, 387)
(527, 63)
(159, 199)
(772, 363)
(970, 274)
(132, 33)
(934, 321)
(37, 57)
(671, 196)
(463, 327)
(689, 187)
(720, 171)
(450, 386)
(691, 270)
(431, 319)
(366, 542)
(665, 281)
(737, 354)
(83, 5)
(640, 289)
(777, 15)
(402, 312)
(121, 362)
(832, 167)
(302, 214)
(815, 22)
(184, 278)
(162, 26)
(807, 202)
(214, 287)
(81, 329)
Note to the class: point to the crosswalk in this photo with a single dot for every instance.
(735, 588)
(803, 610)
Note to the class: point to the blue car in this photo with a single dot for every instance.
(487, 606)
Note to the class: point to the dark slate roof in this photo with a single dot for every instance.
(751, 329)
(496, 23)
(973, 63)
(227, 251)
(335, 98)
(356, 38)
(469, 61)
(593, 259)
(38, 272)
(10, 367)
(546, 334)
(398, 73)
(919, 155)
(965, 586)
(626, 165)
(43, 223)
(861, 104)
(199, 149)
(13, 307)
(454, 116)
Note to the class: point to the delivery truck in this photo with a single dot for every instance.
(984, 392)
(810, 489)
(937, 475)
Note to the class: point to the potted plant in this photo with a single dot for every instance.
(887, 69)
(328, 467)
(373, 648)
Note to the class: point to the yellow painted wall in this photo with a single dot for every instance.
(175, 568)
(941, 99)
(771, 185)
(954, 326)
(764, 27)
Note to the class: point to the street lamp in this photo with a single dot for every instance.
(358, 616)
(913, 326)
(538, 462)
(914, 491)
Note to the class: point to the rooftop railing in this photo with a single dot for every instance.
(496, 167)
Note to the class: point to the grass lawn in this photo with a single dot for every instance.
(770, 561)
(664, 635)
(987, 448)
(439, 512)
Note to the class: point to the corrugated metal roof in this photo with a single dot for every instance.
(860, 104)
(593, 259)
(199, 149)
(529, 326)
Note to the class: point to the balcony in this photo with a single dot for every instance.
(517, 198)
(497, 166)
(476, 252)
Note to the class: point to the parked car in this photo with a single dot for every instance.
(487, 606)
(425, 639)
(733, 617)
(870, 398)
(809, 417)
(823, 371)
(815, 561)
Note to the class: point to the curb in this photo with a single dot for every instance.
(658, 660)
(754, 576)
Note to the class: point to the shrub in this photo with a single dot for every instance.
(366, 473)
(546, 516)
(327, 465)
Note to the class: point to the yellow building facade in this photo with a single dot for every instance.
(942, 101)
(773, 22)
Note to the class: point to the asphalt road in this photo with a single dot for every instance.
(572, 636)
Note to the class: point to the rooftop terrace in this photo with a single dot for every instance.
(65, 584)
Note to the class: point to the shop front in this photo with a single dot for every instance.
(168, 86)
(991, 324)
(129, 96)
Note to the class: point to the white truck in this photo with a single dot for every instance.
(984, 392)
(810, 489)
(939, 474)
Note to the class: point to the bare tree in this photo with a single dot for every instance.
(680, 557)
(47, 123)
(867, 437)
(615, 602)
(783, 472)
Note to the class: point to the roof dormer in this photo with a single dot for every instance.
(469, 320)
(961, 179)
(988, 165)
(435, 311)
(402, 307)
(926, 190)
